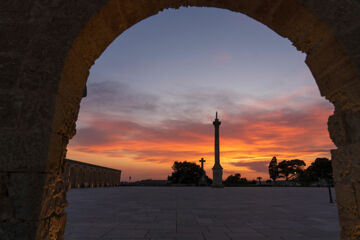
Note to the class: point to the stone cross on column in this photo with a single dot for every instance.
(202, 160)
(202, 181)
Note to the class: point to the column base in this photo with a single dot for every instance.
(217, 178)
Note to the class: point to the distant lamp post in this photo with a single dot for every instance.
(330, 194)
(327, 180)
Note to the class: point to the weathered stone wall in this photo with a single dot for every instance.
(48, 47)
(80, 174)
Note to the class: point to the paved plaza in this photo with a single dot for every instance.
(254, 213)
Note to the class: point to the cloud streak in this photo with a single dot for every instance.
(112, 96)
(256, 166)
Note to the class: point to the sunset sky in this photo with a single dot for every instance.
(153, 94)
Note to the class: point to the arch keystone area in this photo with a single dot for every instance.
(48, 47)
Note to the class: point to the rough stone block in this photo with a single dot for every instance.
(21, 6)
(357, 196)
(9, 70)
(24, 230)
(346, 202)
(351, 93)
(37, 76)
(6, 209)
(52, 227)
(37, 111)
(66, 114)
(330, 66)
(73, 76)
(346, 163)
(344, 126)
(337, 130)
(6, 205)
(350, 230)
(30, 153)
(36, 195)
(300, 26)
(57, 152)
(47, 229)
(7, 145)
(10, 107)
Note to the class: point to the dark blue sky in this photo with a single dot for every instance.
(203, 47)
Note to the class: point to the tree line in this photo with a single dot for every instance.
(294, 170)
(289, 170)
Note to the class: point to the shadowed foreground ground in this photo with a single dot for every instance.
(201, 213)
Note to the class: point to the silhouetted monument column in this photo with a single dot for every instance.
(217, 169)
(202, 181)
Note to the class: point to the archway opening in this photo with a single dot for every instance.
(49, 50)
(285, 117)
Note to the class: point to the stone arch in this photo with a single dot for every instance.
(44, 75)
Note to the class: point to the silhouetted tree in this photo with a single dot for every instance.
(290, 168)
(235, 180)
(319, 169)
(259, 178)
(273, 169)
(186, 173)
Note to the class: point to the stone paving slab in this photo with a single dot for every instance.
(257, 213)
